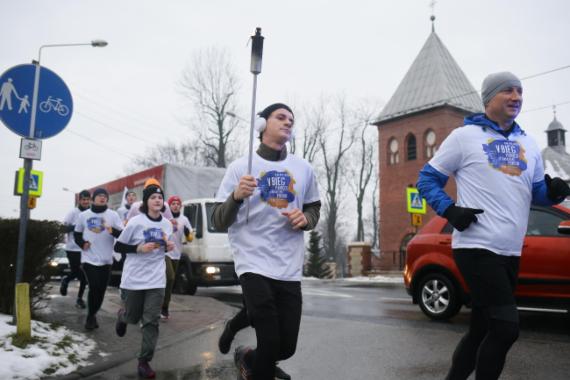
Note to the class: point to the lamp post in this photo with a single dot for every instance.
(24, 215)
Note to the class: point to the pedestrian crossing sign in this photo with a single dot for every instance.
(416, 204)
(36, 182)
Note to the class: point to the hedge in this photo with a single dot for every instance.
(41, 239)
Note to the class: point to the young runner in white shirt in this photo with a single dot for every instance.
(145, 241)
(95, 233)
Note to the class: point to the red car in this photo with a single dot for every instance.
(434, 282)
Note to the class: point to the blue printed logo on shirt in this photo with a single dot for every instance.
(276, 188)
(154, 235)
(96, 224)
(506, 156)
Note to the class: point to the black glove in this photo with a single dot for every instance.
(556, 188)
(461, 217)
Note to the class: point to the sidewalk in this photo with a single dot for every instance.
(189, 316)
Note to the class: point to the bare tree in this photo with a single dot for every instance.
(364, 159)
(333, 149)
(190, 153)
(313, 128)
(211, 85)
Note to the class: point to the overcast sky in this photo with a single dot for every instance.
(361, 48)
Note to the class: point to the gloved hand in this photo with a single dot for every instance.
(557, 189)
(461, 217)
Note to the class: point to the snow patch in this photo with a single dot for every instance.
(55, 350)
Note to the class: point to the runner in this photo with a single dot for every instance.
(145, 241)
(130, 198)
(73, 251)
(269, 247)
(94, 232)
(182, 229)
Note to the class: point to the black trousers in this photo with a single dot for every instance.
(97, 278)
(494, 325)
(75, 271)
(274, 308)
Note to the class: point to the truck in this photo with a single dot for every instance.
(207, 260)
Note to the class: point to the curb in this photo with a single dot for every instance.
(122, 359)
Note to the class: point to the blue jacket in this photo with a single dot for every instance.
(431, 181)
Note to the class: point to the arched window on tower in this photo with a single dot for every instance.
(429, 142)
(411, 151)
(393, 152)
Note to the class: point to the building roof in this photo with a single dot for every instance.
(433, 80)
(555, 125)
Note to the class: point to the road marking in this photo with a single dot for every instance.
(542, 310)
(325, 293)
(397, 300)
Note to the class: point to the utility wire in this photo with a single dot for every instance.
(545, 107)
(116, 129)
(101, 145)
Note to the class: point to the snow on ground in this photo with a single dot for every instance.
(55, 350)
(376, 279)
(379, 279)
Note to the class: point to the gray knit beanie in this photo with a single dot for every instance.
(497, 82)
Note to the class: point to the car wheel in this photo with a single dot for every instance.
(185, 282)
(438, 296)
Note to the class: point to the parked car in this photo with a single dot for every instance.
(434, 282)
(58, 264)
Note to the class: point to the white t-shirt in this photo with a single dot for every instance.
(94, 228)
(145, 270)
(495, 174)
(135, 210)
(178, 236)
(123, 211)
(268, 245)
(71, 220)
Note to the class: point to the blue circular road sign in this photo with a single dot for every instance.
(54, 107)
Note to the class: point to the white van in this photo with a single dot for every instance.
(207, 260)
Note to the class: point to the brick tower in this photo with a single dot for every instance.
(432, 100)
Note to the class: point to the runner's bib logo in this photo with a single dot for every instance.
(276, 188)
(155, 235)
(506, 156)
(96, 224)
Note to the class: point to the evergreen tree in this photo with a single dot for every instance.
(316, 262)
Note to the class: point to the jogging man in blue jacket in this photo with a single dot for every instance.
(499, 173)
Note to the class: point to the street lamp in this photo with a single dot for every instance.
(24, 215)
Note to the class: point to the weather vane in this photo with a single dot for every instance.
(432, 4)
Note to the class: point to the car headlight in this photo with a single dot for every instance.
(212, 270)
(53, 263)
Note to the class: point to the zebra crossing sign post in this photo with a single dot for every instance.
(416, 204)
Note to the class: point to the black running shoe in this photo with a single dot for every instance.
(280, 374)
(225, 341)
(80, 304)
(120, 326)
(63, 286)
(244, 370)
(91, 323)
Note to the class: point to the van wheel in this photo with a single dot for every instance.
(438, 296)
(185, 282)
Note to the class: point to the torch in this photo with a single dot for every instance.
(255, 68)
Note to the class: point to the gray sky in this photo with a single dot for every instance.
(362, 48)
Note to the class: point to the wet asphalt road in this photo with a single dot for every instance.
(350, 332)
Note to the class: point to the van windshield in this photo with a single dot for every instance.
(209, 211)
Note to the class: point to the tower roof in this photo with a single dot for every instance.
(433, 80)
(555, 125)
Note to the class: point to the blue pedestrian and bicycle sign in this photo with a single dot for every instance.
(54, 107)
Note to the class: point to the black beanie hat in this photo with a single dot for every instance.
(270, 109)
(84, 194)
(152, 189)
(100, 191)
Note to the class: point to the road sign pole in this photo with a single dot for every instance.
(24, 211)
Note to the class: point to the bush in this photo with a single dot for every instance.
(41, 238)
